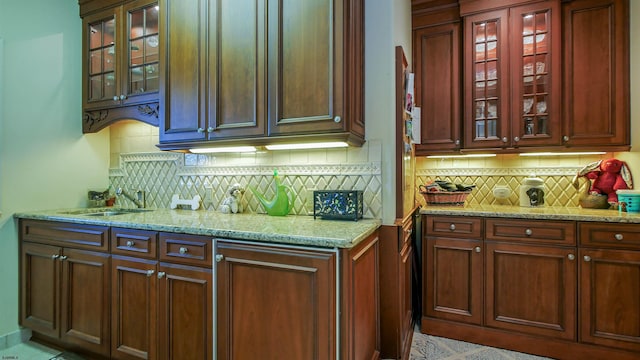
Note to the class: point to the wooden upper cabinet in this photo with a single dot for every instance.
(596, 73)
(512, 77)
(437, 82)
(120, 63)
(237, 70)
(437, 64)
(183, 84)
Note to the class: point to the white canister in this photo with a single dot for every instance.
(532, 192)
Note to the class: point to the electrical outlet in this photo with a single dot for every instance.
(208, 196)
(501, 192)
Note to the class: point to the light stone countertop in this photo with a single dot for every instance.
(544, 212)
(291, 229)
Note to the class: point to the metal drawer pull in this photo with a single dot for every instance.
(452, 227)
(150, 272)
(219, 257)
(618, 237)
(571, 257)
(478, 249)
(528, 232)
(161, 274)
(130, 243)
(53, 257)
(183, 250)
(587, 258)
(63, 257)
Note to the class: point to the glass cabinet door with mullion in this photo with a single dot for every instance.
(535, 114)
(101, 81)
(486, 71)
(140, 81)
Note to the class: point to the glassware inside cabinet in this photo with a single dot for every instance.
(102, 60)
(485, 96)
(535, 59)
(143, 49)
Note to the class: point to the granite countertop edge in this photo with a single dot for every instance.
(542, 213)
(291, 229)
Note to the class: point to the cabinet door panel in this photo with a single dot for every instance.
(185, 312)
(265, 295)
(133, 311)
(453, 280)
(438, 67)
(610, 298)
(39, 288)
(531, 289)
(237, 68)
(85, 300)
(182, 85)
(596, 72)
(305, 57)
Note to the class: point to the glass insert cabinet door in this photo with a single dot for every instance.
(122, 48)
(510, 66)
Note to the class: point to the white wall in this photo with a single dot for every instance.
(387, 24)
(45, 161)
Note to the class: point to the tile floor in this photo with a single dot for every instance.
(429, 347)
(423, 347)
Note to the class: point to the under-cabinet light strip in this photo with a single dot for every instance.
(564, 153)
(460, 156)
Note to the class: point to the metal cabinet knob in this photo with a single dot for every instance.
(337, 119)
(452, 227)
(53, 257)
(457, 142)
(587, 258)
(115, 98)
(528, 232)
(516, 139)
(183, 250)
(618, 237)
(200, 130)
(571, 257)
(210, 129)
(477, 249)
(130, 243)
(150, 272)
(63, 257)
(565, 138)
(123, 96)
(504, 139)
(219, 257)
(161, 274)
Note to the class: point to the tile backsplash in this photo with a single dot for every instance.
(509, 170)
(164, 174)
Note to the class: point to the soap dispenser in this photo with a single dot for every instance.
(532, 192)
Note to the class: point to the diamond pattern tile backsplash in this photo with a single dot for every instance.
(509, 170)
(163, 174)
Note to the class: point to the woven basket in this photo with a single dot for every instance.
(450, 198)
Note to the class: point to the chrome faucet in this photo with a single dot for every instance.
(139, 199)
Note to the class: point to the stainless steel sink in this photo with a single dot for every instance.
(105, 212)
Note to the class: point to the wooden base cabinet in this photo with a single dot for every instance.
(64, 291)
(280, 302)
(396, 309)
(536, 289)
(161, 310)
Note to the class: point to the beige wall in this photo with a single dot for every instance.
(45, 160)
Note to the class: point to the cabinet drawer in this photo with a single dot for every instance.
(454, 226)
(531, 231)
(610, 235)
(185, 249)
(407, 231)
(78, 236)
(139, 243)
